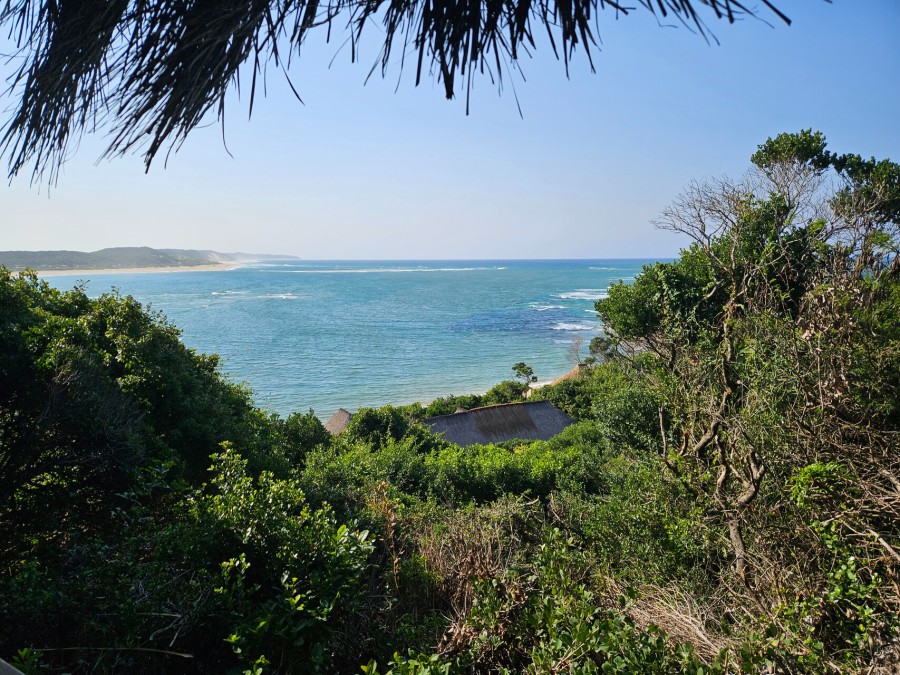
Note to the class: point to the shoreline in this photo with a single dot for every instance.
(424, 402)
(211, 267)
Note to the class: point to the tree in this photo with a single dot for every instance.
(603, 348)
(301, 433)
(774, 362)
(524, 372)
(507, 391)
(574, 350)
(99, 399)
(150, 71)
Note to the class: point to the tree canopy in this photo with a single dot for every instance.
(149, 71)
(772, 350)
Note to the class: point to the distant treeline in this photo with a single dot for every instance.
(120, 257)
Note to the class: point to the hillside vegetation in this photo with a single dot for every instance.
(119, 258)
(728, 501)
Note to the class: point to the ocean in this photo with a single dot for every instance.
(327, 334)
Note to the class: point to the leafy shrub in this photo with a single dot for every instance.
(643, 528)
(545, 618)
(376, 427)
(448, 405)
(299, 434)
(291, 570)
(629, 417)
(508, 391)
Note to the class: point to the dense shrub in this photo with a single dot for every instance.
(544, 618)
(448, 405)
(342, 475)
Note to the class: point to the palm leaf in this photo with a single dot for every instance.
(150, 70)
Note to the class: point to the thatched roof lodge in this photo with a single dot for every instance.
(338, 422)
(537, 420)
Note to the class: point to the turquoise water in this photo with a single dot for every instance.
(323, 335)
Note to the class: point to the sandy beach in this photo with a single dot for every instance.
(212, 267)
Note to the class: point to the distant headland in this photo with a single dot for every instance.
(128, 259)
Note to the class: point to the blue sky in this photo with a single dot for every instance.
(362, 171)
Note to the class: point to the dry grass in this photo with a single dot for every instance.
(474, 545)
(683, 618)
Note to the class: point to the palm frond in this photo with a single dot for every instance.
(149, 71)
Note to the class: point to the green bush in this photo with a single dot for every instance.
(448, 405)
(545, 618)
(508, 391)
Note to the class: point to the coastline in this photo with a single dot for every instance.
(540, 384)
(316, 351)
(211, 267)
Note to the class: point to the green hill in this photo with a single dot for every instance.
(121, 257)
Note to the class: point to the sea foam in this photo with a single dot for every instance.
(563, 325)
(583, 294)
(396, 270)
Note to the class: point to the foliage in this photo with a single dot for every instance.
(106, 419)
(508, 391)
(101, 399)
(300, 433)
(524, 372)
(448, 405)
(151, 73)
(293, 571)
(544, 618)
(603, 347)
(733, 475)
(379, 427)
(343, 475)
(613, 394)
(769, 344)
(27, 660)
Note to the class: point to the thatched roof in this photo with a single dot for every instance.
(573, 374)
(148, 72)
(338, 422)
(538, 420)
